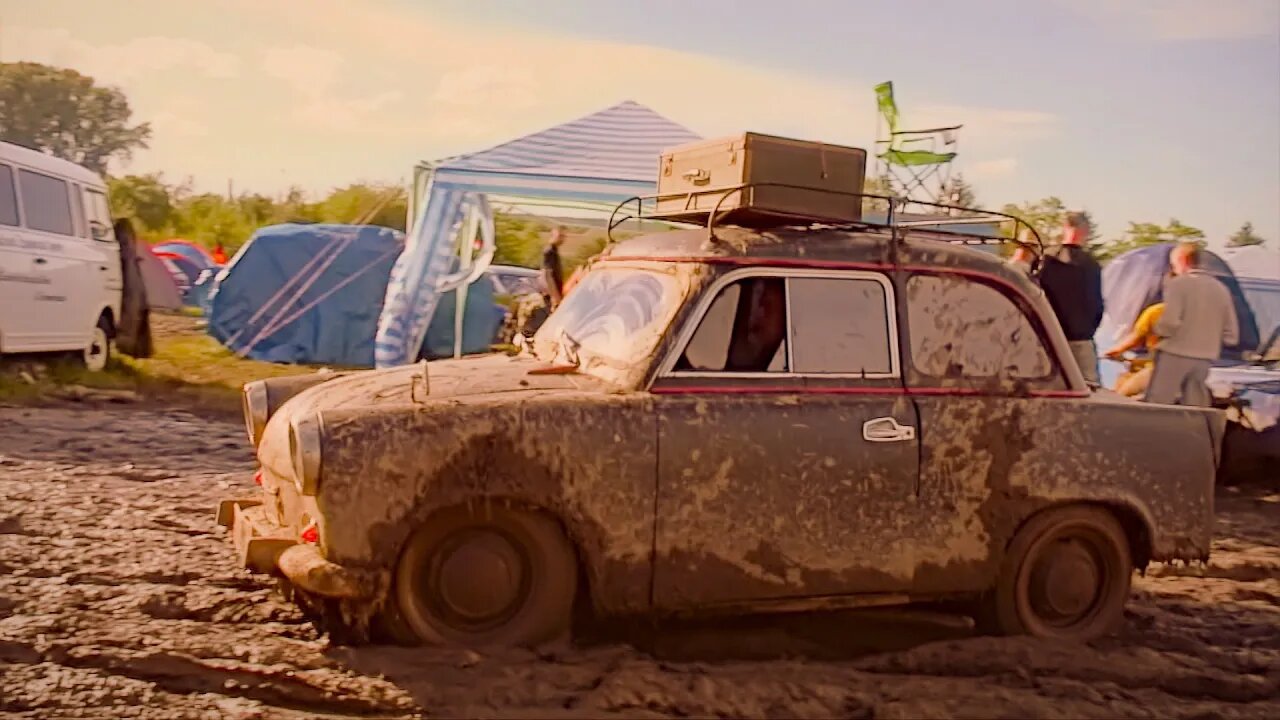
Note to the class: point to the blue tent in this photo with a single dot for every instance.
(312, 294)
(1135, 280)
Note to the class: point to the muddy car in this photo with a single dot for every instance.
(786, 420)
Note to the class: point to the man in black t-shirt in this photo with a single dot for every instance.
(552, 270)
(1072, 283)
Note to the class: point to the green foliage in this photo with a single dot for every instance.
(66, 114)
(144, 198)
(161, 210)
(1245, 237)
(1047, 216)
(584, 251)
(1144, 234)
(959, 192)
(519, 240)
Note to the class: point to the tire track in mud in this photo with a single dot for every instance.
(119, 598)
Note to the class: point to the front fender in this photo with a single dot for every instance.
(588, 459)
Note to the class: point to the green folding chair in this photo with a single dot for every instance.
(908, 165)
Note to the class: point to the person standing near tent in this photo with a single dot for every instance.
(1135, 381)
(1072, 283)
(219, 255)
(553, 269)
(1199, 318)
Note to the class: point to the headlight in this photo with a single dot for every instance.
(256, 409)
(305, 437)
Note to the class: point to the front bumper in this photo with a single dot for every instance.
(267, 548)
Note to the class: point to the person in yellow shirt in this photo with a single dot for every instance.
(1134, 382)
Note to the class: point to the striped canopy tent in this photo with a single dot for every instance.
(592, 163)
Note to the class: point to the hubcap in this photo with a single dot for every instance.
(95, 356)
(1065, 582)
(480, 577)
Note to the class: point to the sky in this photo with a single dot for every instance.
(1136, 110)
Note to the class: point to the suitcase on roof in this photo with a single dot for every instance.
(822, 182)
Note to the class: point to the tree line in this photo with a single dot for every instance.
(67, 114)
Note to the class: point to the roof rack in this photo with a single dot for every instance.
(893, 208)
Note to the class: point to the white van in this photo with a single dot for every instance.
(61, 284)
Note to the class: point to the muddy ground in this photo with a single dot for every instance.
(119, 598)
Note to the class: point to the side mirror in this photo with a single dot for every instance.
(99, 231)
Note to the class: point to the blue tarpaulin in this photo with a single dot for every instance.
(312, 294)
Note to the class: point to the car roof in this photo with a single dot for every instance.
(43, 162)
(821, 247)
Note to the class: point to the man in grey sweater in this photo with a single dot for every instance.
(1199, 319)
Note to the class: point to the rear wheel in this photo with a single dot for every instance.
(98, 352)
(1065, 576)
(492, 576)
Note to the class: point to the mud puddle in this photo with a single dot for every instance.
(119, 598)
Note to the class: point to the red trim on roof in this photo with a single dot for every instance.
(804, 390)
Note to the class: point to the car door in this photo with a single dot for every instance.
(989, 396)
(19, 275)
(787, 450)
(101, 231)
(65, 297)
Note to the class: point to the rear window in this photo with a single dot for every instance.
(8, 199)
(46, 205)
(964, 329)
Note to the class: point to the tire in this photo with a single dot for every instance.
(1065, 576)
(98, 353)
(487, 577)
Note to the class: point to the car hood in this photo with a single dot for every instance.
(1260, 386)
(468, 379)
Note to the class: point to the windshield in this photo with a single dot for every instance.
(611, 321)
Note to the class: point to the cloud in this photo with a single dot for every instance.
(476, 97)
(1174, 20)
(308, 70)
(119, 63)
(992, 169)
(477, 87)
(347, 114)
(346, 89)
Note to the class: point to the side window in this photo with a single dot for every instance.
(796, 325)
(97, 211)
(46, 205)
(744, 330)
(8, 198)
(964, 329)
(77, 211)
(840, 325)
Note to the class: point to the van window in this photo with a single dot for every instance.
(8, 200)
(97, 211)
(77, 211)
(46, 205)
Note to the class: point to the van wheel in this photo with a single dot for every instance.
(1065, 576)
(488, 576)
(98, 352)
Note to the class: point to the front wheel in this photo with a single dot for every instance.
(98, 352)
(1065, 576)
(488, 576)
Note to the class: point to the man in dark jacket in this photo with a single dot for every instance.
(553, 270)
(1072, 283)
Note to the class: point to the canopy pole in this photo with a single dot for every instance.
(465, 260)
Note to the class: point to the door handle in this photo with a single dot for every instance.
(887, 429)
(40, 261)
